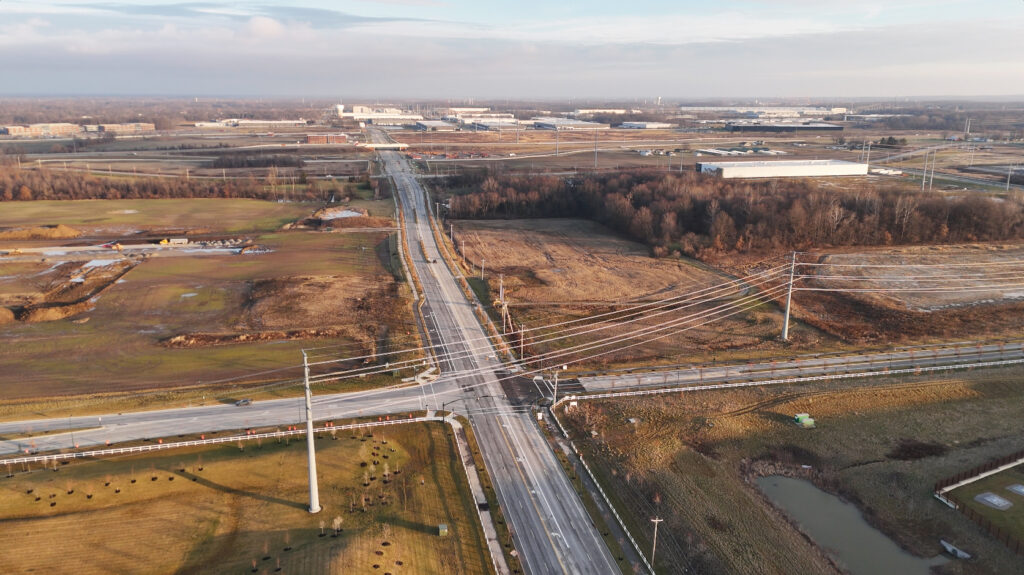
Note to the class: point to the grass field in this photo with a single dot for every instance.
(1011, 520)
(221, 510)
(116, 217)
(335, 287)
(689, 458)
(558, 270)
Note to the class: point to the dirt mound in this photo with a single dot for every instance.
(73, 293)
(57, 232)
(188, 340)
(55, 312)
(340, 217)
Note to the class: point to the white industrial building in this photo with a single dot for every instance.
(435, 126)
(783, 168)
(646, 126)
(378, 115)
(497, 125)
(566, 124)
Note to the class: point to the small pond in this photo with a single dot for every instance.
(839, 528)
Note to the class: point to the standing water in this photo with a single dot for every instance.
(840, 529)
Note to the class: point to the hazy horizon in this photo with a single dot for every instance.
(457, 49)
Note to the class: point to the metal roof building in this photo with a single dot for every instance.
(646, 126)
(782, 168)
(757, 126)
(435, 126)
(565, 124)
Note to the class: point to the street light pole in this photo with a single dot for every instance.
(554, 398)
(314, 490)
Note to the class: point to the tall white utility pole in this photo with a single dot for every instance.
(556, 140)
(1009, 173)
(931, 180)
(314, 490)
(868, 160)
(789, 298)
(924, 174)
(654, 547)
(482, 262)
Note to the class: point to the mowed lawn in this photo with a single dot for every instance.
(222, 510)
(1011, 520)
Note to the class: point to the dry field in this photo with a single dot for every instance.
(557, 270)
(979, 300)
(930, 268)
(690, 458)
(221, 510)
(143, 323)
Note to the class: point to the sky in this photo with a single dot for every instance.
(462, 49)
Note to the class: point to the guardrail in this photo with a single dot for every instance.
(802, 379)
(51, 457)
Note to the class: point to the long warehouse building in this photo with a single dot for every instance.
(783, 168)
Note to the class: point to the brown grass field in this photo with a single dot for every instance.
(968, 308)
(310, 289)
(221, 510)
(561, 269)
(691, 457)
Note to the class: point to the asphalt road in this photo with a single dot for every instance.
(550, 526)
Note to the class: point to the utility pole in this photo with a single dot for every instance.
(931, 180)
(482, 262)
(314, 490)
(595, 150)
(924, 174)
(1009, 173)
(789, 298)
(654, 546)
(556, 141)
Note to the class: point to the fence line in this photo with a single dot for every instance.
(803, 379)
(198, 442)
(943, 492)
(604, 495)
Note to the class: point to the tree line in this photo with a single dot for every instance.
(694, 214)
(41, 184)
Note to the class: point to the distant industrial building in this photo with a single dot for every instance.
(495, 124)
(782, 168)
(646, 126)
(601, 111)
(383, 116)
(567, 124)
(128, 128)
(782, 127)
(48, 130)
(765, 111)
(326, 139)
(246, 123)
(435, 126)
